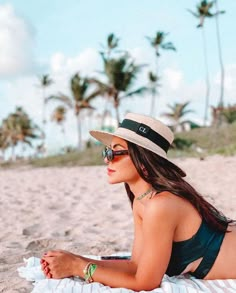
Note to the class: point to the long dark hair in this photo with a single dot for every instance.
(166, 176)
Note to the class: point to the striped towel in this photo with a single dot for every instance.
(180, 284)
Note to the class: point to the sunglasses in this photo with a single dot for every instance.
(109, 154)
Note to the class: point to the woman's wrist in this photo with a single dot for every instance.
(78, 267)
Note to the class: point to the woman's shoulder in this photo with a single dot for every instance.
(166, 199)
(165, 203)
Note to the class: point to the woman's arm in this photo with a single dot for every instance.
(65, 257)
(155, 235)
(158, 226)
(64, 264)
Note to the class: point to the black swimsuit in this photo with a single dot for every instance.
(204, 244)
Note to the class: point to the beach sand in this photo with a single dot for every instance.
(76, 209)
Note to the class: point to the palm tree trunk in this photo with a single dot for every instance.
(152, 110)
(13, 155)
(104, 113)
(64, 135)
(154, 94)
(207, 77)
(116, 106)
(221, 100)
(79, 132)
(44, 108)
(3, 154)
(117, 114)
(44, 117)
(22, 149)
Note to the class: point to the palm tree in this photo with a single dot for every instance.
(45, 81)
(158, 42)
(3, 142)
(223, 114)
(19, 128)
(121, 73)
(59, 116)
(153, 85)
(203, 12)
(112, 42)
(80, 99)
(221, 100)
(177, 113)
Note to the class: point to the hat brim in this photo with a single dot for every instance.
(128, 135)
(106, 139)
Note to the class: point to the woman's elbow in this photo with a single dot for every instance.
(146, 285)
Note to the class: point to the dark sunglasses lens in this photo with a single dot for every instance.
(104, 153)
(108, 153)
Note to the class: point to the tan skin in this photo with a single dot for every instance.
(151, 251)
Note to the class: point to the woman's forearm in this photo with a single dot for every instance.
(114, 273)
(123, 265)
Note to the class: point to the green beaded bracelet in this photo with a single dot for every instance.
(89, 271)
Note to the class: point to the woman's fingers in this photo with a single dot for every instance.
(46, 270)
(57, 264)
(43, 263)
(48, 260)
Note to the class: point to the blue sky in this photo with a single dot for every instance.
(62, 37)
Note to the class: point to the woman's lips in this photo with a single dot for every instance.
(110, 171)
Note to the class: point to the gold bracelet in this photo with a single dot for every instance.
(88, 271)
(85, 270)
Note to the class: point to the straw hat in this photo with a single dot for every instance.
(142, 130)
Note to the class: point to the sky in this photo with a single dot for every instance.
(61, 38)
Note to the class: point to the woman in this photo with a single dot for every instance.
(176, 230)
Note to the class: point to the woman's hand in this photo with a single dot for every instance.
(58, 264)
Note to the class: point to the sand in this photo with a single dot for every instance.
(76, 209)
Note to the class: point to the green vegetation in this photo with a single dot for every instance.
(198, 142)
(90, 157)
(121, 72)
(18, 129)
(207, 141)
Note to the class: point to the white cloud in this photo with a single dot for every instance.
(26, 92)
(62, 68)
(86, 62)
(173, 78)
(230, 84)
(16, 39)
(230, 80)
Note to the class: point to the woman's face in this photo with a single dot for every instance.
(121, 168)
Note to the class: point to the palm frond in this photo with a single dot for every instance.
(61, 98)
(168, 46)
(94, 94)
(193, 13)
(139, 91)
(112, 41)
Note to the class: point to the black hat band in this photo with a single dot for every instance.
(147, 132)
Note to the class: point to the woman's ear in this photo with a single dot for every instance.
(144, 170)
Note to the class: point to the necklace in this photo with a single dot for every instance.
(144, 194)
